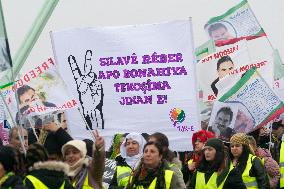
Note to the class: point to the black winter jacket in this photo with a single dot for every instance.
(51, 173)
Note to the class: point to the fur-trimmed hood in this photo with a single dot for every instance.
(50, 173)
(52, 166)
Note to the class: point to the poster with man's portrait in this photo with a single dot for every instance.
(216, 66)
(221, 31)
(38, 91)
(222, 120)
(238, 21)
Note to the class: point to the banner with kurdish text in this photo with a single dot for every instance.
(138, 78)
(38, 91)
(237, 22)
(255, 98)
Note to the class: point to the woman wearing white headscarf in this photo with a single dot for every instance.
(131, 151)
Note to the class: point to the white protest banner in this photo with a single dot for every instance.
(254, 98)
(237, 22)
(39, 91)
(132, 78)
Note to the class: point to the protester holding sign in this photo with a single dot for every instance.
(84, 172)
(131, 150)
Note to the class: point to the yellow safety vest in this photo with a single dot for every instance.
(168, 178)
(249, 181)
(281, 164)
(212, 182)
(200, 181)
(189, 161)
(38, 184)
(122, 175)
(85, 184)
(4, 178)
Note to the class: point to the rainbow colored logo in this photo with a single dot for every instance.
(177, 115)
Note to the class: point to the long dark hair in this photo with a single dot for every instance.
(158, 172)
(164, 141)
(242, 161)
(215, 165)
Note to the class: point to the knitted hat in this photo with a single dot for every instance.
(7, 158)
(78, 144)
(36, 153)
(202, 135)
(215, 143)
(240, 138)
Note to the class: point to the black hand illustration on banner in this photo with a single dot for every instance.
(90, 90)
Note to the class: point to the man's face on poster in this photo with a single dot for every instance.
(28, 98)
(225, 68)
(221, 34)
(63, 121)
(222, 121)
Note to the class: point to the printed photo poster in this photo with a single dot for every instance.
(223, 119)
(38, 121)
(132, 78)
(254, 98)
(214, 67)
(39, 91)
(238, 22)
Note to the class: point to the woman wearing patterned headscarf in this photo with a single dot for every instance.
(131, 150)
(243, 159)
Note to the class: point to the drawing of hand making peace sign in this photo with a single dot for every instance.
(90, 90)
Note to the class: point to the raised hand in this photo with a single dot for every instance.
(99, 140)
(90, 90)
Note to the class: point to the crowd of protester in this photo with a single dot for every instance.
(252, 160)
